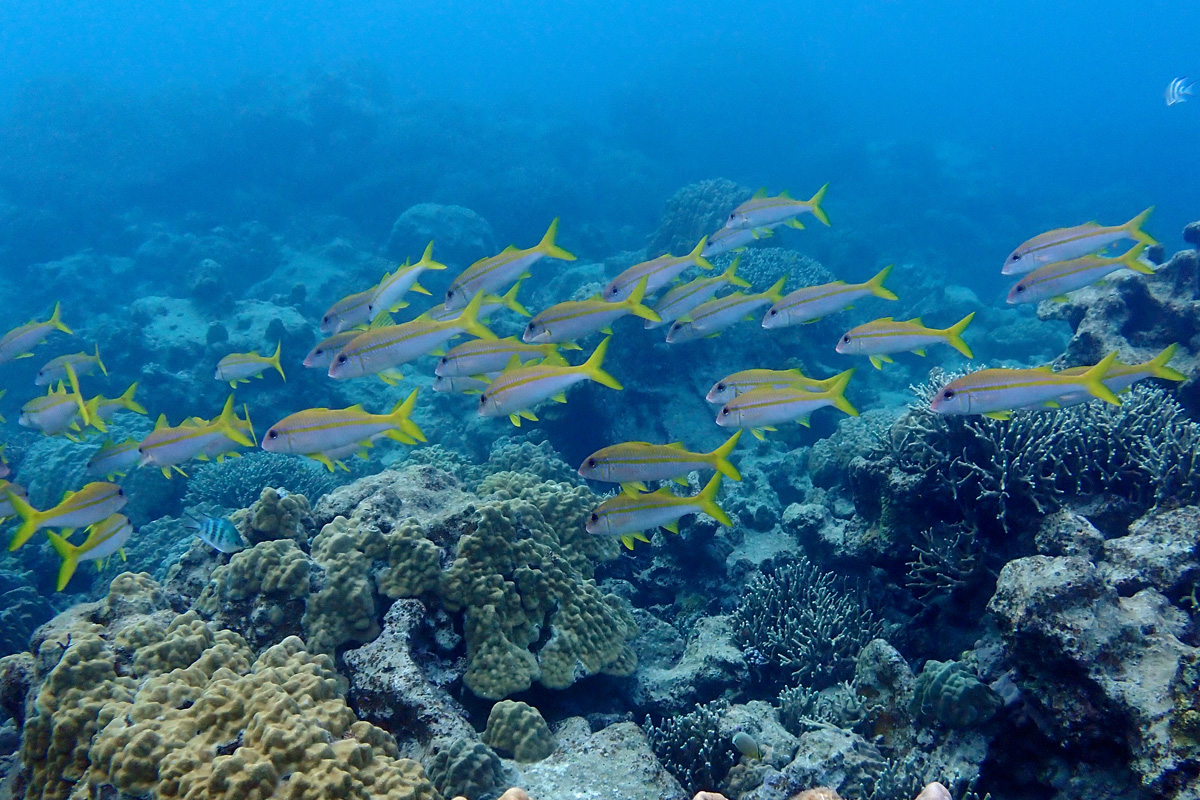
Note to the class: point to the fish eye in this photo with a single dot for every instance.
(449, 293)
(948, 394)
(341, 359)
(846, 338)
(445, 360)
(725, 411)
(272, 434)
(483, 398)
(594, 517)
(1020, 288)
(591, 462)
(120, 492)
(325, 318)
(1015, 257)
(720, 387)
(774, 311)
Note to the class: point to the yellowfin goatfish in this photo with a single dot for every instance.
(241, 367)
(761, 409)
(114, 459)
(1178, 91)
(105, 408)
(322, 355)
(1065, 244)
(575, 319)
(713, 316)
(89, 505)
(351, 311)
(217, 532)
(6, 507)
(632, 463)
(465, 384)
(627, 515)
(813, 302)
(882, 337)
(1121, 376)
(678, 301)
(167, 447)
(387, 294)
(491, 304)
(738, 383)
(761, 210)
(491, 273)
(56, 368)
(220, 445)
(657, 272)
(519, 388)
(481, 356)
(1056, 280)
(996, 392)
(52, 413)
(727, 239)
(317, 431)
(383, 348)
(18, 342)
(104, 538)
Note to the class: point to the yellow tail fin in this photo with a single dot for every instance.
(56, 319)
(836, 393)
(427, 261)
(274, 360)
(229, 424)
(720, 458)
(468, 320)
(695, 256)
(70, 558)
(31, 520)
(128, 403)
(100, 363)
(509, 300)
(547, 247)
(815, 205)
(1134, 228)
(84, 414)
(402, 416)
(954, 335)
(876, 284)
(1093, 380)
(1131, 260)
(730, 274)
(634, 302)
(1157, 366)
(708, 501)
(591, 367)
(775, 293)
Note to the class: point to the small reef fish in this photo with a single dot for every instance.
(349, 312)
(105, 408)
(217, 532)
(481, 356)
(881, 338)
(491, 273)
(1056, 280)
(104, 538)
(813, 302)
(1121, 376)
(6, 507)
(997, 392)
(241, 367)
(323, 353)
(713, 316)
(55, 369)
(387, 294)
(89, 505)
(114, 459)
(761, 210)
(761, 409)
(746, 745)
(491, 304)
(316, 432)
(167, 447)
(53, 413)
(464, 384)
(1065, 244)
(631, 464)
(657, 272)
(519, 388)
(20, 341)
(679, 300)
(628, 515)
(731, 386)
(1178, 91)
(575, 319)
(384, 348)
(727, 239)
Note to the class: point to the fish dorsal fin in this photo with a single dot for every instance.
(161, 422)
(676, 446)
(511, 248)
(916, 321)
(514, 361)
(355, 407)
(673, 526)
(761, 193)
(784, 194)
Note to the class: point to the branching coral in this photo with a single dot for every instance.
(692, 748)
(949, 559)
(238, 482)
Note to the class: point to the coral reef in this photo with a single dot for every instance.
(518, 729)
(948, 693)
(239, 482)
(696, 210)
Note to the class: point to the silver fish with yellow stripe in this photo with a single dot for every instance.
(764, 408)
(55, 369)
(1122, 376)
(104, 538)
(167, 447)
(349, 312)
(519, 388)
(389, 292)
(18, 342)
(813, 302)
(89, 505)
(491, 304)
(114, 459)
(627, 516)
(1065, 244)
(481, 356)
(741, 382)
(763, 210)
(1058, 279)
(631, 464)
(727, 239)
(575, 319)
(241, 367)
(881, 338)
(679, 300)
(713, 316)
(997, 392)
(315, 432)
(657, 272)
(491, 273)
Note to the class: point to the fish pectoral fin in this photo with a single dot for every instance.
(713, 335)
(1061, 298)
(1054, 403)
(633, 487)
(795, 223)
(758, 434)
(672, 526)
(515, 419)
(627, 540)
(804, 421)
(681, 481)
(999, 414)
(561, 397)
(321, 458)
(606, 330)
(920, 352)
(877, 361)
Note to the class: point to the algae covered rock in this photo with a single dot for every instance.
(520, 730)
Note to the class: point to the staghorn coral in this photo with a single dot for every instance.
(803, 625)
(691, 746)
(696, 210)
(238, 482)
(519, 729)
(949, 560)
